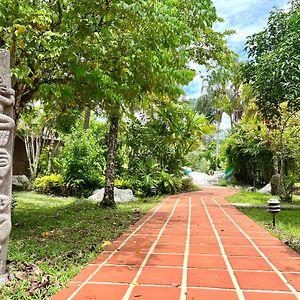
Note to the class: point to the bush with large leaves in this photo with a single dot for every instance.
(248, 152)
(157, 145)
(83, 160)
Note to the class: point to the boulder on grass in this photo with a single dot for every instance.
(266, 189)
(121, 195)
(20, 182)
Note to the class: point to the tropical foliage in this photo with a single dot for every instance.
(119, 57)
(273, 67)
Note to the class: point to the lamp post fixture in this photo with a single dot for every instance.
(153, 191)
(274, 208)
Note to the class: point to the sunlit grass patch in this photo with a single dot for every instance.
(287, 221)
(256, 198)
(53, 238)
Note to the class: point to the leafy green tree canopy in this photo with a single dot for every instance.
(35, 34)
(113, 55)
(274, 59)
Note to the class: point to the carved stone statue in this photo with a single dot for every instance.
(6, 145)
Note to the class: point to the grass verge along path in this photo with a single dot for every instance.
(53, 238)
(287, 221)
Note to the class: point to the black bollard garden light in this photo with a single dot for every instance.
(273, 208)
(153, 191)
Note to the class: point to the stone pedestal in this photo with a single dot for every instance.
(6, 147)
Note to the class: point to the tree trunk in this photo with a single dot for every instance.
(231, 116)
(51, 150)
(218, 141)
(286, 188)
(38, 143)
(276, 178)
(108, 199)
(276, 164)
(28, 152)
(87, 118)
(33, 146)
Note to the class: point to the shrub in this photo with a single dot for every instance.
(122, 183)
(193, 160)
(249, 154)
(223, 182)
(187, 185)
(83, 162)
(169, 183)
(165, 183)
(51, 184)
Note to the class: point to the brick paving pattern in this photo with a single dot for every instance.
(191, 246)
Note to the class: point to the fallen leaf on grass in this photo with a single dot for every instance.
(38, 285)
(106, 243)
(20, 275)
(45, 234)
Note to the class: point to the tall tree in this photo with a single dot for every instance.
(284, 136)
(227, 91)
(273, 72)
(143, 56)
(112, 55)
(274, 59)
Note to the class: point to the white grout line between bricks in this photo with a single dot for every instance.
(131, 286)
(115, 251)
(229, 267)
(192, 287)
(183, 291)
(291, 288)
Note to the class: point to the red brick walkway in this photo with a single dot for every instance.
(192, 246)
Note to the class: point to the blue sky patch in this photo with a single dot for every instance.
(246, 17)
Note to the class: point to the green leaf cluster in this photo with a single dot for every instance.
(273, 67)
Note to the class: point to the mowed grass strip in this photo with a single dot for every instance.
(257, 198)
(287, 221)
(53, 238)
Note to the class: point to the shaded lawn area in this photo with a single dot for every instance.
(287, 221)
(53, 238)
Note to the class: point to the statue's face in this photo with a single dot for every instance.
(4, 90)
(5, 222)
(4, 202)
(5, 227)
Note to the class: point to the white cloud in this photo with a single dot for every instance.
(246, 17)
(194, 89)
(242, 33)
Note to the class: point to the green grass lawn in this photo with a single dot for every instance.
(256, 198)
(287, 221)
(53, 238)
